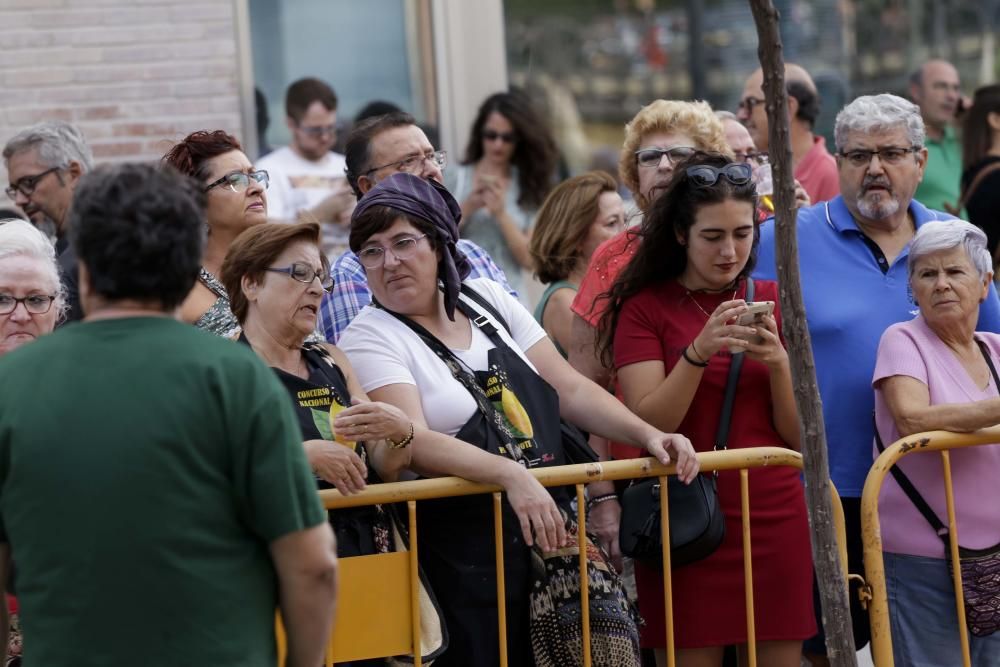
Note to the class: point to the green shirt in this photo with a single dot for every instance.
(145, 466)
(943, 175)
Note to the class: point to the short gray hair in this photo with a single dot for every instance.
(879, 113)
(58, 143)
(940, 235)
(724, 115)
(19, 238)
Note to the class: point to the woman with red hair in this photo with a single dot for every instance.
(235, 201)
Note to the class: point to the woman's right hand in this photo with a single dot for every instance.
(721, 330)
(535, 509)
(336, 464)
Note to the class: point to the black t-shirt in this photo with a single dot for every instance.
(983, 206)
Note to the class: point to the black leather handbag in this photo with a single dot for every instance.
(697, 524)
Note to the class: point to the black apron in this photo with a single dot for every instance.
(359, 530)
(455, 535)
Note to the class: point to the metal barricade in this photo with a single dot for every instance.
(397, 630)
(871, 530)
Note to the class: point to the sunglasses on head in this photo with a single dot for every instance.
(705, 176)
(493, 135)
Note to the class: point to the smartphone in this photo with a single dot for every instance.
(755, 317)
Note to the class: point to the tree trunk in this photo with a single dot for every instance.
(832, 587)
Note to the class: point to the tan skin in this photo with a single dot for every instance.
(281, 314)
(409, 287)
(719, 244)
(948, 289)
(755, 119)
(228, 214)
(490, 184)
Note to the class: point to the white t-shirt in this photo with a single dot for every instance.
(383, 351)
(298, 184)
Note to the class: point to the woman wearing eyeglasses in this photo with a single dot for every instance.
(31, 302)
(276, 276)
(235, 201)
(509, 164)
(673, 323)
(471, 363)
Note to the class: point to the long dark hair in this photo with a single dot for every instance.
(661, 256)
(976, 134)
(535, 151)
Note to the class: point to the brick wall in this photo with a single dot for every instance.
(134, 75)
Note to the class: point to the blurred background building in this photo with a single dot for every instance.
(138, 74)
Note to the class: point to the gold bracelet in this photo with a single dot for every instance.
(402, 443)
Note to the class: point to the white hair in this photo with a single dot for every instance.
(58, 143)
(879, 113)
(941, 235)
(19, 238)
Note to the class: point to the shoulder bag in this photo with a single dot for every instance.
(697, 525)
(980, 568)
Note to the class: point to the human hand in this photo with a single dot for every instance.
(801, 196)
(604, 521)
(721, 330)
(367, 420)
(337, 464)
(495, 197)
(333, 206)
(769, 351)
(667, 447)
(539, 517)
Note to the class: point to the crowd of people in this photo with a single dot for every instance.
(210, 339)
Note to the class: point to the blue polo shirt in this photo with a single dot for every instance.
(849, 303)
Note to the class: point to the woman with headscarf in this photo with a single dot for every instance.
(468, 362)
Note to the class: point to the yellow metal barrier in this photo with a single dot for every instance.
(871, 530)
(397, 630)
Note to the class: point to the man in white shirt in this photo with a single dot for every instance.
(307, 178)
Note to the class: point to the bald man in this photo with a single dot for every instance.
(814, 167)
(935, 88)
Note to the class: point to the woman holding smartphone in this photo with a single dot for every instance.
(674, 322)
(507, 172)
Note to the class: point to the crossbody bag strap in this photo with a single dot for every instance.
(464, 377)
(976, 182)
(735, 366)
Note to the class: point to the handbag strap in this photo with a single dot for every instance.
(457, 369)
(976, 182)
(735, 366)
(904, 482)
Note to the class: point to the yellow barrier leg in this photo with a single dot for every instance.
(581, 540)
(956, 571)
(748, 566)
(501, 582)
(668, 597)
(411, 508)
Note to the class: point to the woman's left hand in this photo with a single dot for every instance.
(371, 421)
(495, 198)
(801, 196)
(667, 447)
(770, 351)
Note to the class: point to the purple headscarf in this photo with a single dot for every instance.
(430, 201)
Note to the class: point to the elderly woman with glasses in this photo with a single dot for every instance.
(468, 362)
(674, 319)
(235, 202)
(276, 276)
(31, 302)
(936, 372)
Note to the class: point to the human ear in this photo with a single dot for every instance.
(249, 286)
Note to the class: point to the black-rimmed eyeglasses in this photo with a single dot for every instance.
(705, 176)
(651, 157)
(890, 155)
(238, 181)
(414, 163)
(26, 184)
(36, 304)
(304, 273)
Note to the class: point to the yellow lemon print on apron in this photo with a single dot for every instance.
(335, 409)
(516, 414)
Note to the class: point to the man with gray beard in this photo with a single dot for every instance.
(853, 254)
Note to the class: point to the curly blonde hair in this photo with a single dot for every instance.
(695, 119)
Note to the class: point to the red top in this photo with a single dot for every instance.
(605, 264)
(817, 172)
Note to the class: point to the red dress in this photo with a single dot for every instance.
(708, 596)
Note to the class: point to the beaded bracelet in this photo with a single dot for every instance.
(603, 498)
(699, 364)
(402, 443)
